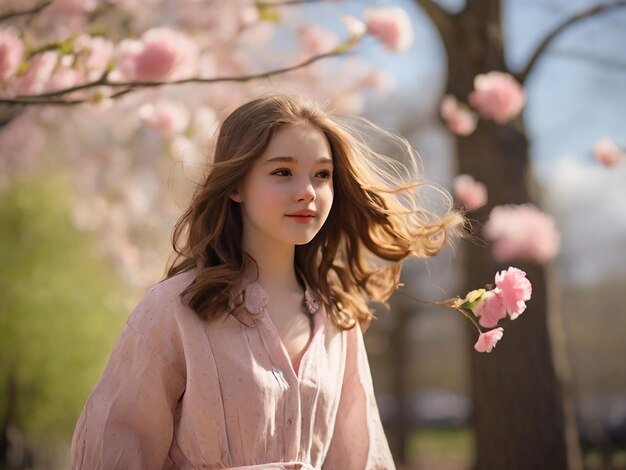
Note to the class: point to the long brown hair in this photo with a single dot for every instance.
(375, 217)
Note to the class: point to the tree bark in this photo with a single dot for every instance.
(522, 418)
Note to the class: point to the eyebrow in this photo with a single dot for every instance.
(294, 160)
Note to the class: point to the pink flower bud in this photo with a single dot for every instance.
(459, 119)
(608, 153)
(472, 194)
(356, 28)
(489, 309)
(161, 54)
(11, 52)
(488, 340)
(515, 289)
(392, 26)
(522, 232)
(497, 96)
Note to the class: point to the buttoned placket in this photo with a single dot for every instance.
(256, 302)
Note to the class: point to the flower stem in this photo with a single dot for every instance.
(449, 303)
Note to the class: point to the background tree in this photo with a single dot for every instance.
(531, 424)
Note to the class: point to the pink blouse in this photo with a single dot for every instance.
(178, 392)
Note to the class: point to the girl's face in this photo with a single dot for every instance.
(287, 194)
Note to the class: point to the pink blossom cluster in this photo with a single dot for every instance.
(522, 232)
(509, 297)
(471, 193)
(160, 54)
(458, 117)
(11, 53)
(607, 152)
(496, 95)
(88, 58)
(391, 26)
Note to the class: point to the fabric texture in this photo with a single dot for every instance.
(179, 392)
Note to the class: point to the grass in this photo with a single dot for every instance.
(440, 449)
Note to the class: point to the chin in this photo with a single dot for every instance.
(305, 239)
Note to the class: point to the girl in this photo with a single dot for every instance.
(250, 355)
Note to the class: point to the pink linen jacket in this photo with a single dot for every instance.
(179, 392)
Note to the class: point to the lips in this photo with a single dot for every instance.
(304, 213)
(302, 217)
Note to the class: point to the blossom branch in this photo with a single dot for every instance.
(56, 97)
(30, 11)
(286, 3)
(591, 12)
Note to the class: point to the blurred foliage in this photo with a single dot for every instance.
(61, 309)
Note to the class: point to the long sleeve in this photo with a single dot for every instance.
(358, 441)
(128, 419)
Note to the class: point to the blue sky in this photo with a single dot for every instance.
(576, 95)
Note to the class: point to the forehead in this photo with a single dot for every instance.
(298, 140)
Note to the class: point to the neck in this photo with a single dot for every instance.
(276, 266)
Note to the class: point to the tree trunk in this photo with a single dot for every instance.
(520, 414)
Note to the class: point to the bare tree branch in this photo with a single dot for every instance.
(610, 63)
(591, 12)
(30, 11)
(57, 97)
(443, 20)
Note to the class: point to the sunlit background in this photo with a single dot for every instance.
(89, 194)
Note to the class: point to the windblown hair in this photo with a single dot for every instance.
(374, 224)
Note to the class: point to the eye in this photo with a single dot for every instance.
(282, 172)
(325, 174)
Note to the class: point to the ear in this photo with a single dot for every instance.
(236, 196)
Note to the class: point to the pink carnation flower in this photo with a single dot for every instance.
(11, 52)
(392, 26)
(488, 340)
(490, 309)
(160, 54)
(472, 194)
(522, 232)
(515, 290)
(459, 119)
(497, 96)
(608, 152)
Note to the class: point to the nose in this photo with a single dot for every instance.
(305, 192)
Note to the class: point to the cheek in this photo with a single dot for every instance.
(327, 194)
(264, 195)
